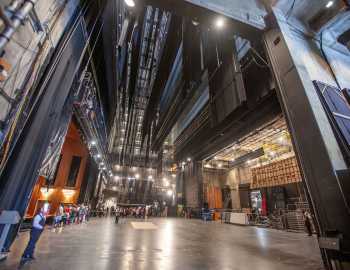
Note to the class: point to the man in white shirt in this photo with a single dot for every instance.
(58, 217)
(37, 228)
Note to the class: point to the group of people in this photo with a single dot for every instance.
(135, 212)
(71, 214)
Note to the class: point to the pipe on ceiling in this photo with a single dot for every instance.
(16, 20)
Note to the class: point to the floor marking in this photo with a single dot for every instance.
(143, 226)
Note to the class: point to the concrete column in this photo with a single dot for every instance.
(296, 61)
(193, 184)
(235, 199)
(233, 182)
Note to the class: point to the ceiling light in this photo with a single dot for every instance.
(169, 192)
(235, 147)
(137, 176)
(102, 164)
(219, 23)
(195, 23)
(329, 4)
(150, 177)
(189, 159)
(46, 191)
(166, 183)
(173, 175)
(130, 3)
(98, 156)
(219, 165)
(93, 142)
(68, 192)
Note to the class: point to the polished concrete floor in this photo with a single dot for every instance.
(164, 244)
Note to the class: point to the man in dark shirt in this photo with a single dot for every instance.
(308, 224)
(37, 228)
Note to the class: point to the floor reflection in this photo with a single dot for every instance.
(170, 244)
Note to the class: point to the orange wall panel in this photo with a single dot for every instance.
(73, 146)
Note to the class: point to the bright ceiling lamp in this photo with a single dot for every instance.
(329, 4)
(46, 191)
(130, 3)
(166, 182)
(219, 23)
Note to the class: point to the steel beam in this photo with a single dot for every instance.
(250, 12)
(244, 18)
(317, 150)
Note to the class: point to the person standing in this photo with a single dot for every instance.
(71, 214)
(87, 217)
(117, 215)
(37, 228)
(81, 214)
(308, 224)
(58, 217)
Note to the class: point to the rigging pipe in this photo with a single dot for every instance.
(16, 19)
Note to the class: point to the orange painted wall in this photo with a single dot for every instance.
(73, 146)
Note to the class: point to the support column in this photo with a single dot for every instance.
(295, 62)
(233, 182)
(193, 184)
